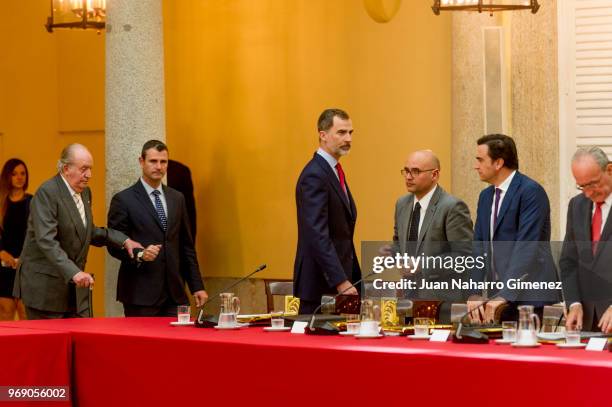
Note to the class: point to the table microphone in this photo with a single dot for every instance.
(208, 321)
(311, 328)
(472, 335)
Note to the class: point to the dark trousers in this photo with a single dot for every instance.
(167, 309)
(33, 313)
(309, 307)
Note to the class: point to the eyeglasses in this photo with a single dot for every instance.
(414, 172)
(590, 185)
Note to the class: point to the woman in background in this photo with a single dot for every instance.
(14, 211)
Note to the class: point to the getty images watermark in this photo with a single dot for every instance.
(462, 266)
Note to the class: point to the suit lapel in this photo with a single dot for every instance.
(71, 207)
(605, 233)
(171, 207)
(333, 179)
(486, 211)
(144, 199)
(429, 214)
(405, 222)
(86, 197)
(351, 202)
(508, 197)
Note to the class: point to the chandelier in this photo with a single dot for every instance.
(484, 5)
(77, 14)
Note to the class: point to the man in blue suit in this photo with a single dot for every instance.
(326, 262)
(513, 215)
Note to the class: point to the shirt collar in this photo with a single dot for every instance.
(70, 190)
(150, 189)
(506, 184)
(424, 202)
(328, 157)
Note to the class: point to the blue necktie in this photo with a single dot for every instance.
(160, 210)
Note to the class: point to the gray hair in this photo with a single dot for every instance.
(596, 153)
(67, 155)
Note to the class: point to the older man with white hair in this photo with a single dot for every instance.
(51, 279)
(587, 252)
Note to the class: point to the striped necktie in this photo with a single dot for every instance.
(79, 204)
(159, 208)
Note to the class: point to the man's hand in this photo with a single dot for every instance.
(151, 252)
(574, 318)
(605, 323)
(8, 259)
(130, 245)
(200, 298)
(491, 308)
(475, 311)
(83, 279)
(346, 285)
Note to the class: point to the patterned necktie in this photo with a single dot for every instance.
(160, 210)
(596, 227)
(342, 178)
(79, 204)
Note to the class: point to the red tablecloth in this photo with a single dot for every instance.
(133, 362)
(34, 357)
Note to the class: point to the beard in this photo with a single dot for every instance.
(343, 150)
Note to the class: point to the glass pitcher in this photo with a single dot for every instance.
(229, 309)
(528, 325)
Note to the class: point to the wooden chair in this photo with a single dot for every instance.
(277, 287)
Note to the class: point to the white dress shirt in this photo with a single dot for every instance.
(424, 202)
(162, 197)
(504, 188)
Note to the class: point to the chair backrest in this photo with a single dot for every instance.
(277, 287)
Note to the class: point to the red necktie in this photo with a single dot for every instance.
(341, 177)
(596, 227)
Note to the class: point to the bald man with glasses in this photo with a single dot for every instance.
(430, 222)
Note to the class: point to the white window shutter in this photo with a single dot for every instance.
(585, 84)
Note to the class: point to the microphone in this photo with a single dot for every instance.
(208, 321)
(472, 335)
(311, 328)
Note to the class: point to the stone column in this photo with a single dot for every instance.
(467, 101)
(535, 101)
(531, 59)
(135, 105)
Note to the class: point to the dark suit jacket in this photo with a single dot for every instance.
(586, 278)
(150, 283)
(446, 231)
(521, 238)
(56, 247)
(326, 222)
